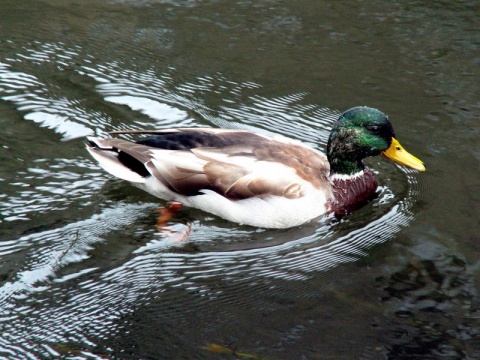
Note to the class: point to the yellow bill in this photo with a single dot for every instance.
(398, 154)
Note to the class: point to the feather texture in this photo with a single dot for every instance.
(254, 176)
(259, 180)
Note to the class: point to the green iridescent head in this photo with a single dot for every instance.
(362, 132)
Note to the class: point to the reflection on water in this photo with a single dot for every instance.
(85, 273)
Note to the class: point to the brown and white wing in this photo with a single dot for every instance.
(178, 170)
(250, 166)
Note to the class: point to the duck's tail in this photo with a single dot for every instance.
(107, 155)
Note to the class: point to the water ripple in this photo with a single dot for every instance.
(98, 294)
(92, 256)
(48, 186)
(36, 100)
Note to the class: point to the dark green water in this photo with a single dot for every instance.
(84, 272)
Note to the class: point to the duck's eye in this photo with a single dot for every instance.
(374, 128)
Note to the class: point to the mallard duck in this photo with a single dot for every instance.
(255, 179)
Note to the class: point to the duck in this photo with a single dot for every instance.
(255, 179)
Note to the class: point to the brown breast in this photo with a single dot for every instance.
(350, 194)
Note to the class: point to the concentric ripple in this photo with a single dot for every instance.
(89, 253)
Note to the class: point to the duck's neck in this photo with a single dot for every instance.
(345, 167)
(352, 191)
(344, 158)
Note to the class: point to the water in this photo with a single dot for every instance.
(86, 274)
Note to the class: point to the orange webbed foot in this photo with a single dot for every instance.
(177, 237)
(166, 213)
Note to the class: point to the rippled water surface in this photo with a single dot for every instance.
(84, 271)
